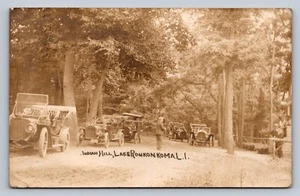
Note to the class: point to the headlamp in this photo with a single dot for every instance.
(98, 132)
(30, 128)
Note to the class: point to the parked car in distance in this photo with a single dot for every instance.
(201, 135)
(132, 127)
(177, 131)
(95, 132)
(102, 131)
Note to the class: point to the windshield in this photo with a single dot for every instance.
(206, 129)
(25, 104)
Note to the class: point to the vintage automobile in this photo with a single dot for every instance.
(177, 131)
(102, 130)
(35, 124)
(132, 127)
(201, 135)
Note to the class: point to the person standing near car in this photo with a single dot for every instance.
(159, 132)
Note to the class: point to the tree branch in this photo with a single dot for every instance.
(193, 104)
(212, 96)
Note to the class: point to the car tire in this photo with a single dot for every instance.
(136, 138)
(79, 137)
(211, 141)
(43, 142)
(106, 140)
(65, 139)
(121, 140)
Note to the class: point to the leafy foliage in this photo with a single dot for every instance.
(156, 61)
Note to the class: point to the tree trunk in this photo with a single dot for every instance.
(241, 114)
(238, 122)
(69, 97)
(220, 105)
(251, 115)
(236, 128)
(58, 89)
(224, 140)
(95, 99)
(271, 88)
(100, 104)
(228, 109)
(89, 92)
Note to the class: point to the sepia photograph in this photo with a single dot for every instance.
(150, 98)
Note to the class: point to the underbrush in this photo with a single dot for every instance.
(237, 171)
(260, 148)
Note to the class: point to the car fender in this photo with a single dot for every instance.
(63, 132)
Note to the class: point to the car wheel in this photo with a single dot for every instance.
(106, 140)
(121, 140)
(65, 138)
(43, 142)
(211, 141)
(136, 138)
(187, 138)
(79, 137)
(175, 136)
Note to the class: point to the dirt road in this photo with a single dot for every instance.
(121, 167)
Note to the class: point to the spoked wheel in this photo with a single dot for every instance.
(43, 142)
(121, 139)
(187, 138)
(175, 136)
(106, 140)
(211, 141)
(170, 136)
(79, 137)
(136, 138)
(181, 136)
(65, 138)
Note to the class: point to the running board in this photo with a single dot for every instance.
(57, 145)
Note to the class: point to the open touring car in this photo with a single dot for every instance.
(120, 128)
(102, 131)
(132, 127)
(34, 123)
(201, 135)
(177, 131)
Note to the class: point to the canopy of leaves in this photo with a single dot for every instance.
(158, 61)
